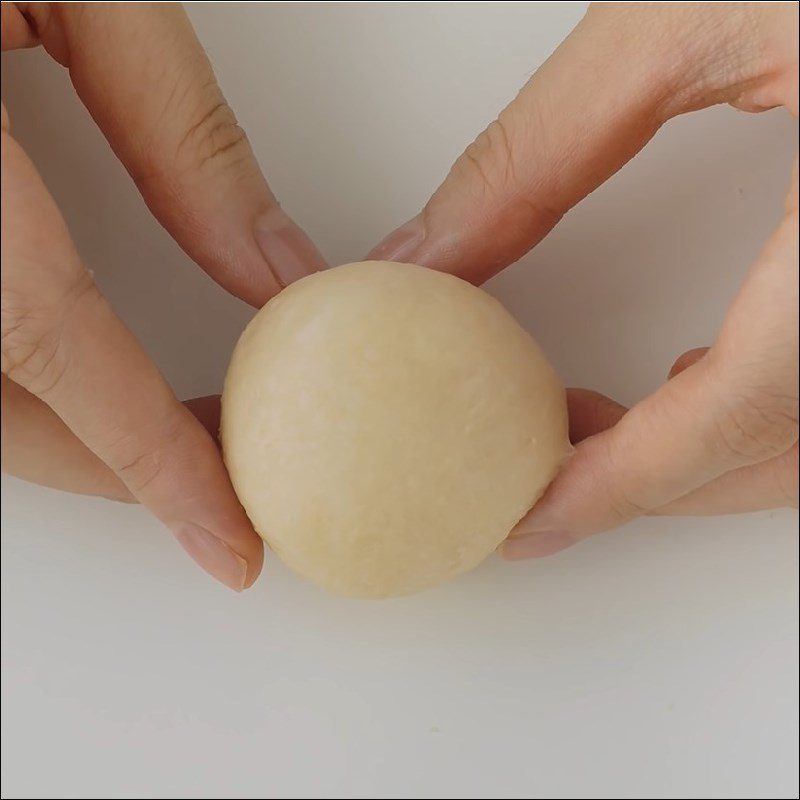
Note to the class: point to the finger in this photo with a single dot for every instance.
(685, 360)
(206, 411)
(15, 31)
(770, 484)
(759, 487)
(590, 413)
(734, 407)
(144, 77)
(38, 447)
(593, 104)
(62, 342)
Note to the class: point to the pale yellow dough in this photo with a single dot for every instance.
(385, 426)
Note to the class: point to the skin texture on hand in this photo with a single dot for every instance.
(721, 435)
(85, 411)
(83, 407)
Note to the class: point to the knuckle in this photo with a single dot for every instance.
(140, 470)
(143, 459)
(623, 506)
(32, 333)
(196, 129)
(213, 135)
(490, 157)
(754, 428)
(621, 497)
(494, 170)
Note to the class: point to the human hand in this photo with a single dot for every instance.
(720, 436)
(83, 407)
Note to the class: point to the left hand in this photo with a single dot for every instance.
(84, 409)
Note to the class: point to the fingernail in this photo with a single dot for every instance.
(540, 519)
(536, 545)
(213, 555)
(291, 255)
(401, 243)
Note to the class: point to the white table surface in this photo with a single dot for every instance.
(659, 661)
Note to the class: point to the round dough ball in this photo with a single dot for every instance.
(385, 426)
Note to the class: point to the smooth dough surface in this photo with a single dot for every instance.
(385, 426)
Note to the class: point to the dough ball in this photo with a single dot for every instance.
(385, 426)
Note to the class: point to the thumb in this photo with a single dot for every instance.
(730, 408)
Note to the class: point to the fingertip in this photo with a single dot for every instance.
(255, 563)
(401, 244)
(431, 240)
(536, 545)
(235, 567)
(206, 410)
(213, 555)
(287, 249)
(591, 413)
(686, 360)
(254, 260)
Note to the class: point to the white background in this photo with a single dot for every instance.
(659, 661)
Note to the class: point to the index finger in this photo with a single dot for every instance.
(621, 73)
(62, 342)
(146, 80)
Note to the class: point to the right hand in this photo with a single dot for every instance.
(83, 407)
(721, 435)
